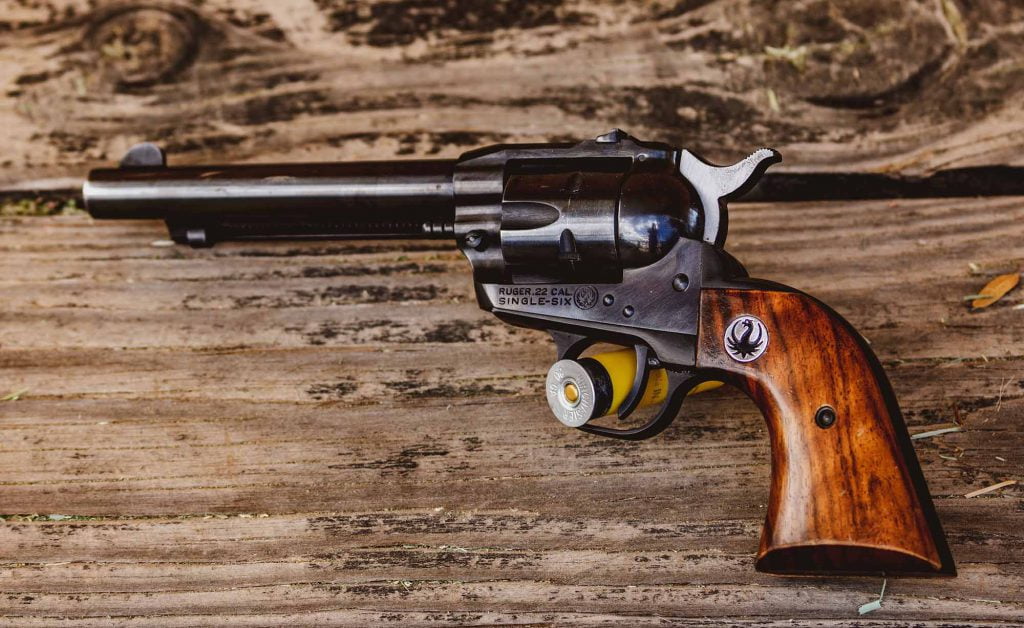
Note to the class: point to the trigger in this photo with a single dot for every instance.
(569, 346)
(636, 392)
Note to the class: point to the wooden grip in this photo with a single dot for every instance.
(847, 497)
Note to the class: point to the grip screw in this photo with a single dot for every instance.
(825, 417)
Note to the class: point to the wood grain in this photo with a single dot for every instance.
(334, 433)
(863, 85)
(847, 495)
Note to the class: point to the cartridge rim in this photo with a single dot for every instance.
(593, 384)
(562, 375)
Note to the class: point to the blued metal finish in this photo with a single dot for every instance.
(609, 239)
(480, 182)
(636, 391)
(156, 192)
(664, 319)
(342, 200)
(656, 209)
(580, 240)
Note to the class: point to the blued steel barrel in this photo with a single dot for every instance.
(206, 204)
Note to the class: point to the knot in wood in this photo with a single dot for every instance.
(137, 47)
(854, 55)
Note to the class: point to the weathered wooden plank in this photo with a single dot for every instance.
(931, 243)
(689, 481)
(333, 433)
(404, 596)
(373, 442)
(361, 619)
(252, 551)
(911, 86)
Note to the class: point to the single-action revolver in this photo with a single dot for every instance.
(613, 241)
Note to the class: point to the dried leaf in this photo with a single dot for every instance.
(797, 57)
(956, 21)
(14, 396)
(995, 289)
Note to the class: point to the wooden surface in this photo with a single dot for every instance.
(846, 494)
(334, 433)
(863, 84)
(261, 434)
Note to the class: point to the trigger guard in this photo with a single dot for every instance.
(680, 383)
(640, 377)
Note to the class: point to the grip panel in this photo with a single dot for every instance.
(849, 498)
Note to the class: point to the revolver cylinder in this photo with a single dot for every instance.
(590, 225)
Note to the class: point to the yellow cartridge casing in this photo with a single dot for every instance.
(621, 367)
(596, 386)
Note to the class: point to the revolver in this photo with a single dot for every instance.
(613, 241)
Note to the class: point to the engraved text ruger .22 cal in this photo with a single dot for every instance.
(618, 241)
